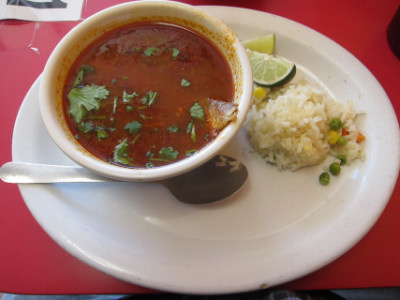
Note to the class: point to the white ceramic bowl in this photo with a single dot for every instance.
(58, 65)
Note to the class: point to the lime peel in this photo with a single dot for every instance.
(269, 70)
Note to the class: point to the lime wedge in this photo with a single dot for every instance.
(270, 70)
(262, 44)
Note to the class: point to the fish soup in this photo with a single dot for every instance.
(149, 94)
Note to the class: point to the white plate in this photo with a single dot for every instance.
(280, 226)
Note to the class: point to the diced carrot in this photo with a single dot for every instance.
(360, 137)
(345, 132)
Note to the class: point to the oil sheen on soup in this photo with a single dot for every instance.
(148, 94)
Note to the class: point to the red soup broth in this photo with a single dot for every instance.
(139, 96)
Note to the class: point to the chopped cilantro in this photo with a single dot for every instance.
(101, 133)
(184, 82)
(190, 152)
(168, 153)
(173, 129)
(196, 111)
(189, 127)
(88, 69)
(193, 134)
(149, 98)
(79, 77)
(129, 108)
(149, 165)
(84, 99)
(175, 53)
(124, 77)
(135, 139)
(133, 127)
(121, 153)
(127, 98)
(152, 97)
(81, 73)
(150, 51)
(86, 127)
(115, 104)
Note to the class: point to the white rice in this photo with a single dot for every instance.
(290, 126)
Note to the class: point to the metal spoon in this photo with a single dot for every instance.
(215, 180)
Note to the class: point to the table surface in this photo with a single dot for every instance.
(32, 263)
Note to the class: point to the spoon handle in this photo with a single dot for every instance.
(22, 172)
(215, 180)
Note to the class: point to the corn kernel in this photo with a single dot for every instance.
(259, 92)
(333, 137)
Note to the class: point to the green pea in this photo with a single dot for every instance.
(341, 141)
(343, 159)
(336, 124)
(324, 178)
(334, 168)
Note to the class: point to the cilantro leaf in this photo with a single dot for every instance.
(150, 51)
(196, 111)
(79, 77)
(168, 153)
(101, 133)
(191, 152)
(184, 82)
(145, 99)
(149, 165)
(152, 97)
(121, 153)
(115, 103)
(190, 126)
(133, 127)
(190, 129)
(86, 127)
(149, 98)
(84, 99)
(173, 129)
(150, 154)
(127, 98)
(81, 73)
(193, 134)
(175, 53)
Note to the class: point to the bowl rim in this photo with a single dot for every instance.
(59, 132)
